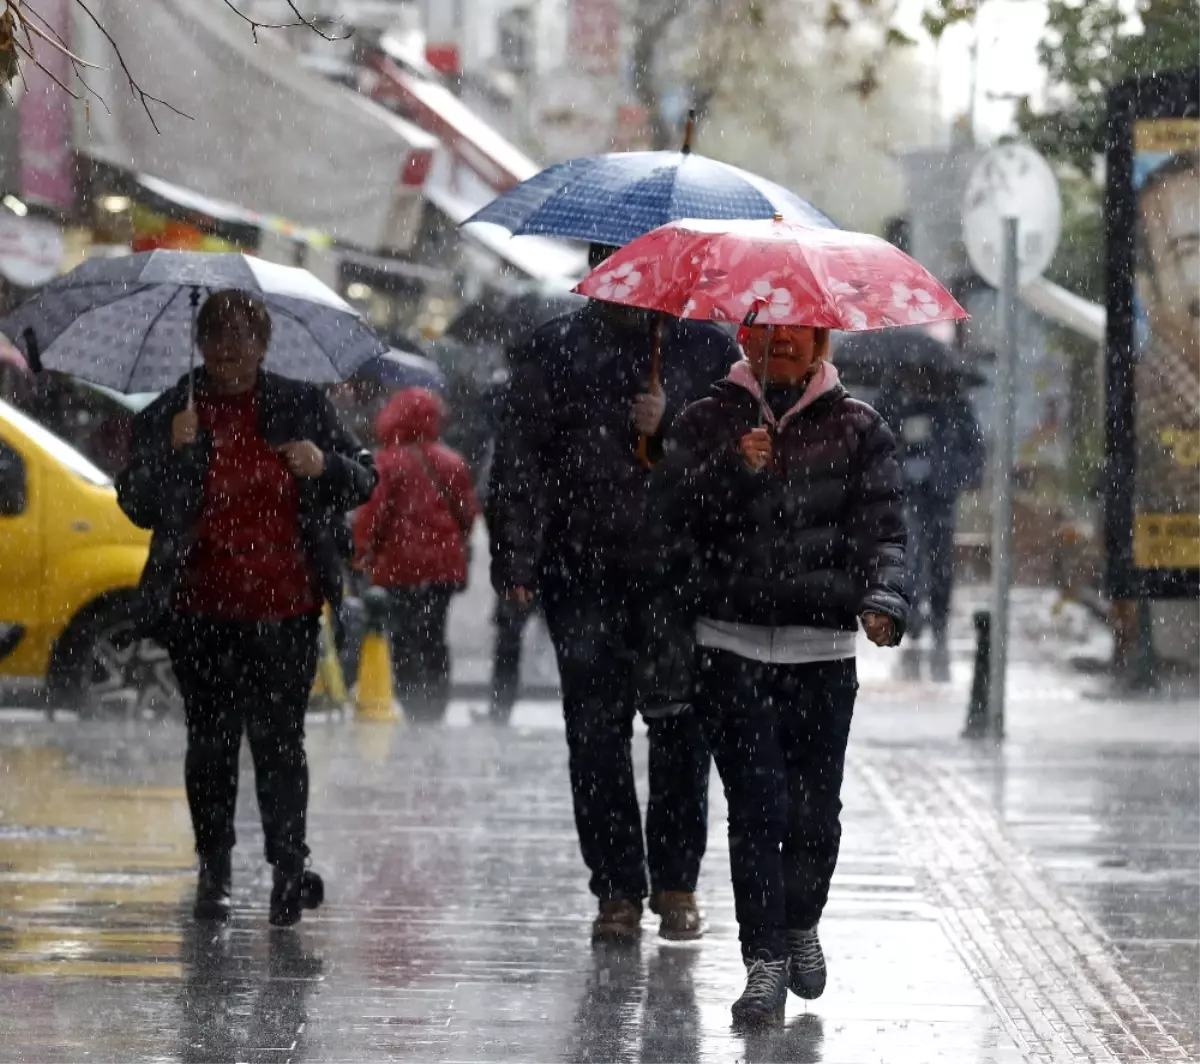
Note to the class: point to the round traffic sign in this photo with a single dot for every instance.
(1012, 181)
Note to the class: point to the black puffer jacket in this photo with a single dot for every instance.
(163, 490)
(815, 539)
(566, 491)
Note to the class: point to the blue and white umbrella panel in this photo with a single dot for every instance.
(615, 198)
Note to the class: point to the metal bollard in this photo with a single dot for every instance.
(977, 710)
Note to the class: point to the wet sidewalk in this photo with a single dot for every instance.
(1033, 904)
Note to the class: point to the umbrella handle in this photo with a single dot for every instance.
(762, 415)
(194, 300)
(33, 350)
(655, 387)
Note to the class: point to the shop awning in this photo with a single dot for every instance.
(551, 261)
(495, 159)
(266, 134)
(1065, 308)
(154, 189)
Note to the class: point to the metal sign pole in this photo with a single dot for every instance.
(1002, 520)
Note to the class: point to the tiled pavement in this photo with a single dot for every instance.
(1036, 903)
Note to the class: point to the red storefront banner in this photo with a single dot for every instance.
(595, 41)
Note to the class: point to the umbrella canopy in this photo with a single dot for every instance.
(875, 357)
(403, 369)
(506, 320)
(615, 198)
(775, 272)
(127, 323)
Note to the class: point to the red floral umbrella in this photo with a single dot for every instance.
(777, 272)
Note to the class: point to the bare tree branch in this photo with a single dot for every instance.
(41, 66)
(143, 96)
(58, 44)
(23, 14)
(301, 20)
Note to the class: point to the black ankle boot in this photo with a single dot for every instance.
(291, 893)
(214, 886)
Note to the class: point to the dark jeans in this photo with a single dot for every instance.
(420, 654)
(930, 522)
(255, 678)
(778, 734)
(590, 628)
(510, 621)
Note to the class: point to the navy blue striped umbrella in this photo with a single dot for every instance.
(615, 198)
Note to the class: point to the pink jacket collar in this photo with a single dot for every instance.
(823, 381)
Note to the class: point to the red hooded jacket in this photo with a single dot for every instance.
(408, 535)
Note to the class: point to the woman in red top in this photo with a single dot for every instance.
(413, 539)
(243, 490)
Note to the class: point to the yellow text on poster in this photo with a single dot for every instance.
(1166, 541)
(1167, 134)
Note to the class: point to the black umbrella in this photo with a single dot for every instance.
(874, 358)
(505, 320)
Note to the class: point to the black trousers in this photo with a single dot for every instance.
(930, 520)
(778, 734)
(252, 678)
(420, 653)
(510, 620)
(590, 627)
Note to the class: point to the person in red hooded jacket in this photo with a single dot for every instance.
(412, 538)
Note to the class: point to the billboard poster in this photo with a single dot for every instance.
(1153, 430)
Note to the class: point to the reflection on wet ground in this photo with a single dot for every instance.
(457, 922)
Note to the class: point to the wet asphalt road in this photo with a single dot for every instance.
(1037, 903)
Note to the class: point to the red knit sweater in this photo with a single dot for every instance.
(248, 562)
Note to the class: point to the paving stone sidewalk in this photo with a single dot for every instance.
(1034, 903)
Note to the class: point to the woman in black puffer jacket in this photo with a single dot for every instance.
(790, 506)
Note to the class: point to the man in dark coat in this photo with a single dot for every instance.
(568, 514)
(942, 454)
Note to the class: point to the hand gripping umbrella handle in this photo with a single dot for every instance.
(655, 386)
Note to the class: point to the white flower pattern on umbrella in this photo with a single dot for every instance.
(775, 302)
(914, 303)
(791, 274)
(619, 283)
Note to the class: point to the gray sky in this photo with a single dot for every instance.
(1009, 35)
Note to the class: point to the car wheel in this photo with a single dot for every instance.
(101, 670)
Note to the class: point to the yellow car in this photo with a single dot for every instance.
(69, 563)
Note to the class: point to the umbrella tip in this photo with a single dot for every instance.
(689, 131)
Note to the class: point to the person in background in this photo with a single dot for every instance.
(789, 502)
(413, 538)
(510, 617)
(568, 514)
(242, 492)
(942, 454)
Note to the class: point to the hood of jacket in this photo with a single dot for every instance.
(412, 415)
(823, 382)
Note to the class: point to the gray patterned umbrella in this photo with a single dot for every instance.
(127, 323)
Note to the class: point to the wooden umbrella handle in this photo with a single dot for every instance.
(655, 388)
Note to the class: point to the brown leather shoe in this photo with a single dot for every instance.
(679, 915)
(619, 919)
